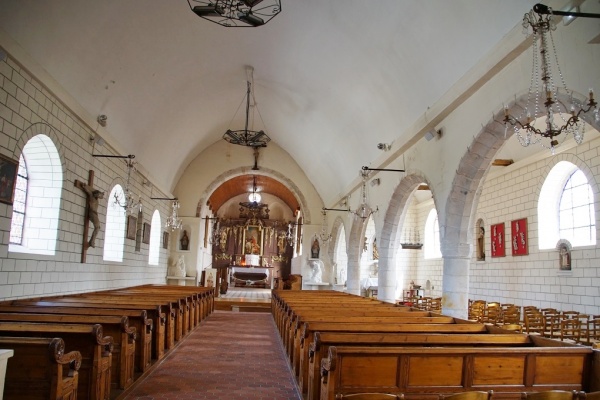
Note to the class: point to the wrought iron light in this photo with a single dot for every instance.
(542, 98)
(246, 136)
(236, 13)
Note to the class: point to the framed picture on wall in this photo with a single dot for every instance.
(518, 237)
(8, 179)
(497, 236)
(131, 227)
(146, 233)
(165, 240)
(253, 240)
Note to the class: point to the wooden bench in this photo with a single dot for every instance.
(163, 320)
(123, 353)
(425, 372)
(137, 319)
(40, 369)
(319, 348)
(95, 349)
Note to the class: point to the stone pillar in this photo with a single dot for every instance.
(386, 280)
(455, 284)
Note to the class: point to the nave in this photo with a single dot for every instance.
(230, 355)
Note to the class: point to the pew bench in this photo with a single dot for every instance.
(425, 372)
(123, 353)
(40, 369)
(89, 340)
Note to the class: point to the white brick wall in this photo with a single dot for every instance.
(23, 103)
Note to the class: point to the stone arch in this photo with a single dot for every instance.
(263, 171)
(390, 234)
(459, 213)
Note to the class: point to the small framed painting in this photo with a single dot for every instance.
(131, 227)
(8, 179)
(497, 236)
(253, 240)
(165, 240)
(518, 237)
(146, 233)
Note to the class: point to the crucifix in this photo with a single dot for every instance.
(91, 213)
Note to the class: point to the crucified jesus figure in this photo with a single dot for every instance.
(92, 211)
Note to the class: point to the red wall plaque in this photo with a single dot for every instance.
(497, 235)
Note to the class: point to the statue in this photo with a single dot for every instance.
(480, 244)
(317, 273)
(281, 243)
(92, 211)
(178, 268)
(184, 241)
(223, 240)
(315, 249)
(375, 250)
(565, 258)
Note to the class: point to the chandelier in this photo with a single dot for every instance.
(236, 13)
(364, 211)
(173, 221)
(542, 97)
(126, 202)
(324, 237)
(248, 137)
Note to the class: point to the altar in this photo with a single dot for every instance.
(252, 276)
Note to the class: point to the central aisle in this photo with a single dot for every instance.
(230, 355)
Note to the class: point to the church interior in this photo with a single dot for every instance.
(437, 156)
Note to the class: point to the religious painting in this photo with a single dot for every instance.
(518, 237)
(165, 240)
(210, 277)
(564, 257)
(8, 179)
(131, 227)
(497, 236)
(253, 240)
(146, 233)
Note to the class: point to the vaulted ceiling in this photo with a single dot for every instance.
(332, 78)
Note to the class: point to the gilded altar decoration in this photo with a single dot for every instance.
(497, 237)
(279, 258)
(223, 256)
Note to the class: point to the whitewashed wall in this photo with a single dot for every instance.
(24, 101)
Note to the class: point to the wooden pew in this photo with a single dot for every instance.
(422, 373)
(95, 349)
(319, 348)
(137, 319)
(118, 328)
(40, 369)
(163, 319)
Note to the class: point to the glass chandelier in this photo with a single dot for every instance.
(173, 221)
(127, 203)
(542, 97)
(324, 237)
(364, 211)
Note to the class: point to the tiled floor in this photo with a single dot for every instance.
(229, 356)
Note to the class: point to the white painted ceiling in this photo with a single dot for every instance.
(333, 78)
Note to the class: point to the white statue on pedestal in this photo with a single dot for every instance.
(316, 271)
(178, 268)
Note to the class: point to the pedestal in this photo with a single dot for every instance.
(182, 280)
(4, 356)
(317, 285)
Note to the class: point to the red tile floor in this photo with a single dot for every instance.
(230, 355)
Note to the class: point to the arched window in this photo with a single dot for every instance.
(34, 228)
(566, 208)
(114, 237)
(577, 221)
(432, 236)
(19, 203)
(155, 229)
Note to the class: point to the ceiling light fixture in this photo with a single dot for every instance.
(542, 98)
(324, 237)
(364, 211)
(173, 221)
(129, 205)
(248, 137)
(236, 13)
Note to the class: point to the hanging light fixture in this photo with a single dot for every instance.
(126, 202)
(173, 221)
(236, 13)
(324, 237)
(542, 97)
(246, 136)
(364, 211)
